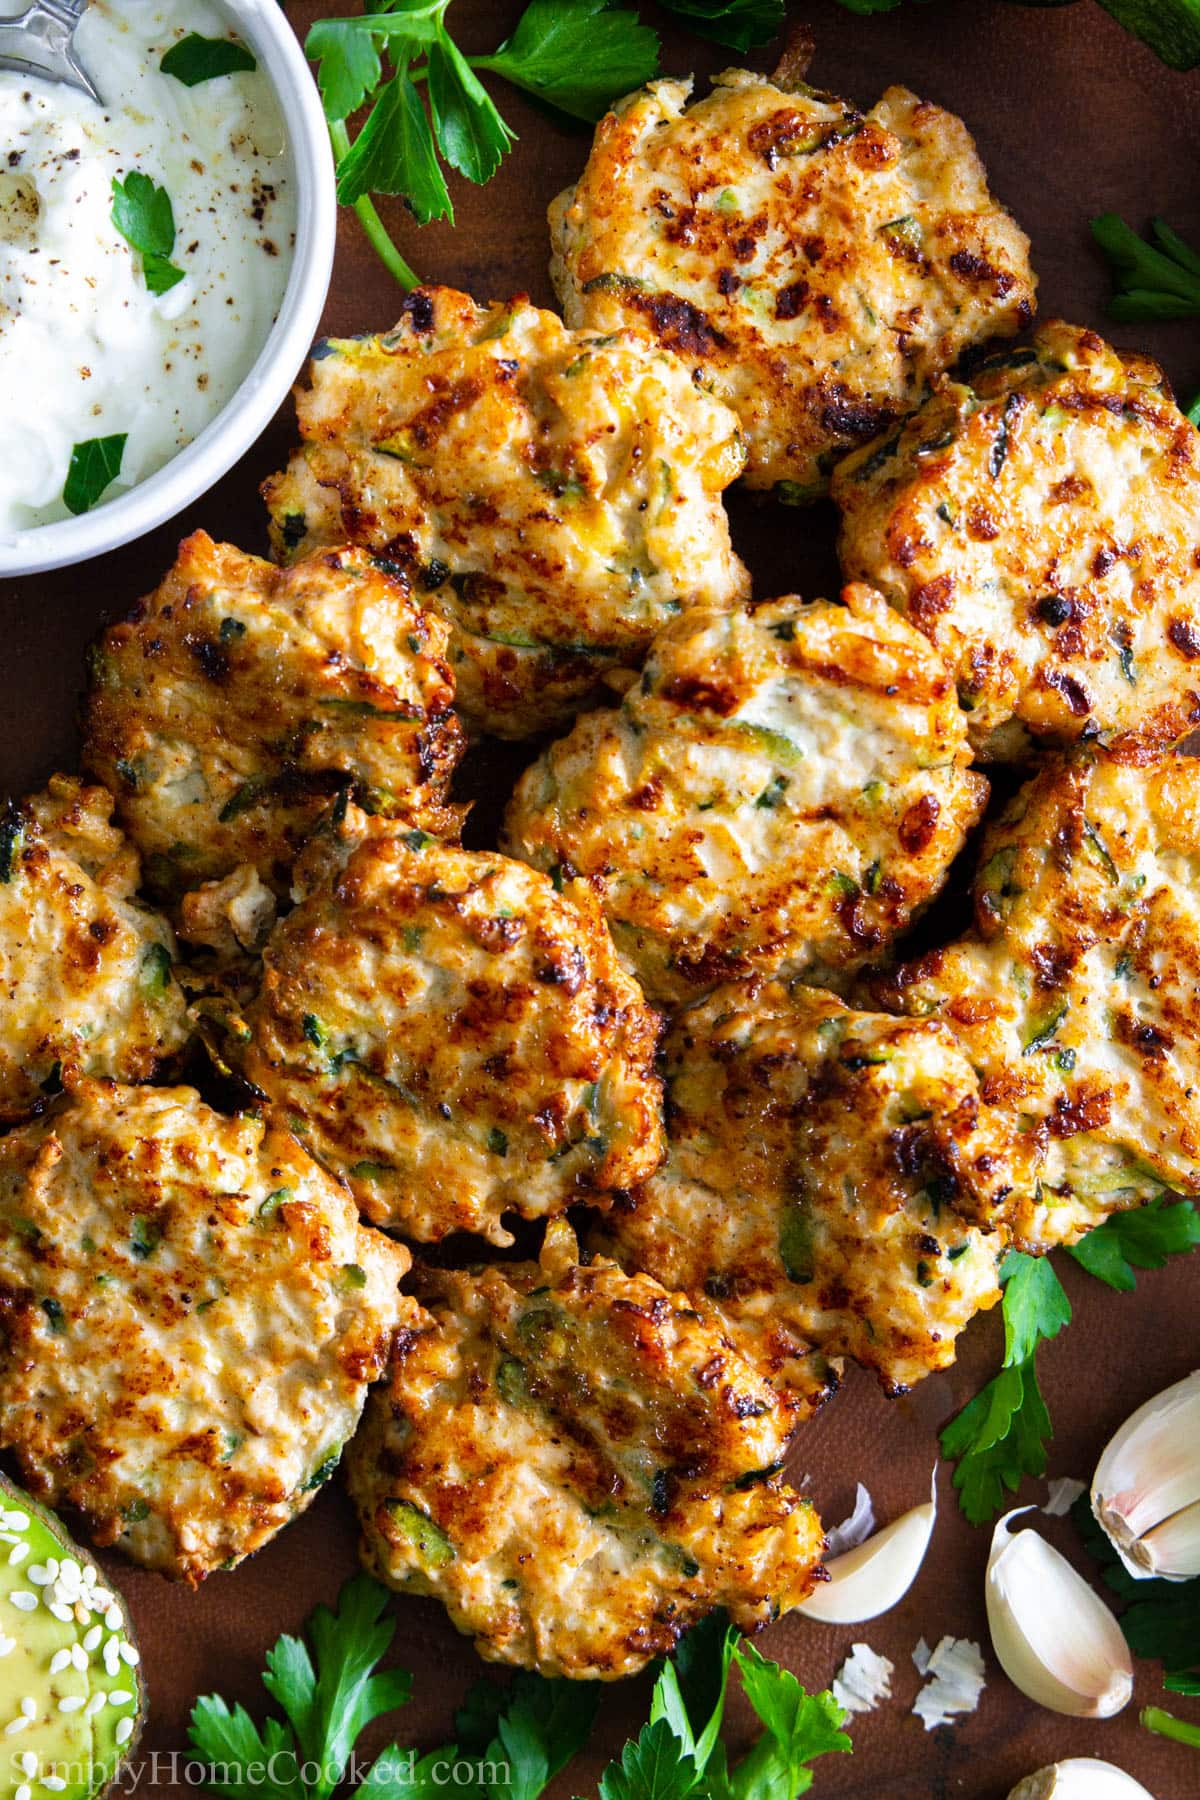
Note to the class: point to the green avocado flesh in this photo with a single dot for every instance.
(57, 1612)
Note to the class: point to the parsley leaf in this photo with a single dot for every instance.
(329, 1693)
(1141, 1239)
(394, 154)
(1170, 27)
(233, 1745)
(679, 1753)
(472, 136)
(799, 1727)
(1035, 1306)
(195, 59)
(1001, 1434)
(739, 23)
(653, 1766)
(94, 464)
(576, 55)
(332, 1694)
(142, 213)
(1157, 278)
(533, 1727)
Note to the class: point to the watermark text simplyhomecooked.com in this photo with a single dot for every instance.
(175, 1768)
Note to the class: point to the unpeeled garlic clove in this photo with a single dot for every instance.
(871, 1578)
(1053, 1636)
(1146, 1489)
(1080, 1778)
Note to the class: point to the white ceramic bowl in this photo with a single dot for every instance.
(248, 411)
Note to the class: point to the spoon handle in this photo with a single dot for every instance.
(68, 11)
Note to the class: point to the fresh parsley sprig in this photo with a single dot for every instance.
(572, 55)
(514, 1740)
(1001, 1435)
(679, 1752)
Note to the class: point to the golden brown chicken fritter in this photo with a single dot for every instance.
(832, 1183)
(238, 698)
(785, 787)
(555, 495)
(815, 266)
(190, 1314)
(1075, 996)
(579, 1466)
(1039, 525)
(86, 982)
(455, 1039)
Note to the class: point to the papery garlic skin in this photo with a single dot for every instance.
(1080, 1778)
(1053, 1636)
(876, 1575)
(1146, 1489)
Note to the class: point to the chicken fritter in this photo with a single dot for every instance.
(190, 1313)
(830, 1183)
(1039, 526)
(1075, 996)
(785, 787)
(555, 495)
(237, 698)
(86, 986)
(579, 1466)
(815, 266)
(456, 1040)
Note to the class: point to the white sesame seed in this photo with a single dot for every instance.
(69, 1569)
(17, 1521)
(23, 1600)
(92, 1640)
(19, 1552)
(62, 1613)
(113, 1618)
(7, 1644)
(102, 1599)
(17, 1724)
(79, 1657)
(130, 1654)
(29, 1707)
(55, 1783)
(27, 1762)
(97, 1703)
(39, 1574)
(23, 1792)
(120, 1697)
(112, 1661)
(124, 1730)
(52, 1566)
(59, 1661)
(72, 1703)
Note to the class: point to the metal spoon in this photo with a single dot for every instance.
(40, 41)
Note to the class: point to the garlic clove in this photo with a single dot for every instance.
(1080, 1778)
(1146, 1489)
(1172, 1550)
(1053, 1636)
(874, 1576)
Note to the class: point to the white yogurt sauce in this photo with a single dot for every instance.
(86, 350)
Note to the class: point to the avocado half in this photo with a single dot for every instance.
(72, 1700)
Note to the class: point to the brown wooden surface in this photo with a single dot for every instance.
(1072, 118)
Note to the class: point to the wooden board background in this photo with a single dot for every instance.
(1072, 118)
